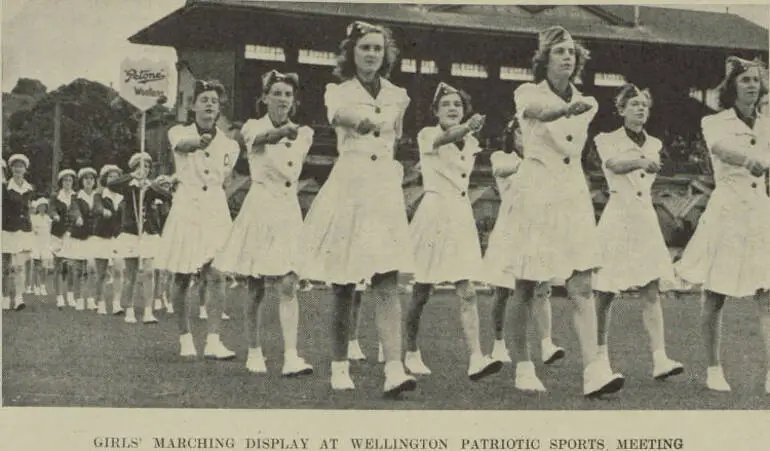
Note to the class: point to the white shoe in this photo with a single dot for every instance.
(169, 308)
(663, 368)
(294, 365)
(80, 305)
(202, 314)
(6, 303)
(101, 308)
(598, 379)
(551, 353)
(29, 290)
(91, 304)
(500, 352)
(396, 380)
(117, 309)
(19, 303)
(380, 354)
(36, 291)
(158, 305)
(216, 350)
(43, 291)
(341, 376)
(354, 351)
(225, 317)
(255, 361)
(187, 346)
(71, 299)
(482, 366)
(715, 379)
(130, 316)
(526, 378)
(60, 301)
(414, 364)
(148, 317)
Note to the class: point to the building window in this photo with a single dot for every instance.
(317, 58)
(516, 74)
(469, 70)
(264, 53)
(428, 67)
(408, 65)
(609, 80)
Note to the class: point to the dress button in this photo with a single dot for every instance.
(462, 194)
(290, 163)
(374, 157)
(376, 134)
(464, 175)
(377, 110)
(639, 194)
(288, 184)
(207, 154)
(206, 171)
(642, 157)
(753, 141)
(462, 157)
(754, 185)
(288, 144)
(569, 138)
(641, 175)
(566, 160)
(205, 188)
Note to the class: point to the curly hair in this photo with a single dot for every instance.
(202, 86)
(628, 92)
(727, 89)
(346, 64)
(540, 62)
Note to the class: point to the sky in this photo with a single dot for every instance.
(57, 41)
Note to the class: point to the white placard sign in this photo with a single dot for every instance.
(143, 82)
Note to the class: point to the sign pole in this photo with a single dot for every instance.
(56, 145)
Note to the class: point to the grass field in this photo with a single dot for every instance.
(69, 358)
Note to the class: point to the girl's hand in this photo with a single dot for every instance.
(651, 167)
(365, 127)
(205, 140)
(290, 131)
(476, 122)
(578, 107)
(106, 213)
(79, 222)
(56, 218)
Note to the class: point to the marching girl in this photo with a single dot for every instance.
(633, 251)
(443, 231)
(86, 209)
(106, 230)
(505, 165)
(17, 238)
(199, 221)
(139, 235)
(263, 243)
(62, 220)
(727, 255)
(550, 217)
(356, 229)
(42, 257)
(160, 210)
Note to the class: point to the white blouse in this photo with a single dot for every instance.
(617, 144)
(204, 169)
(446, 169)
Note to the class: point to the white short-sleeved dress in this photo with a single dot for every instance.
(444, 235)
(199, 221)
(633, 250)
(498, 252)
(728, 254)
(357, 226)
(550, 218)
(41, 229)
(266, 235)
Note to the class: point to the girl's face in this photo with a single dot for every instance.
(42, 209)
(747, 87)
(111, 177)
(279, 100)
(66, 182)
(88, 182)
(142, 170)
(636, 111)
(369, 52)
(450, 110)
(561, 60)
(206, 106)
(18, 169)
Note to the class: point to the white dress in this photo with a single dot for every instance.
(500, 240)
(41, 229)
(18, 241)
(266, 235)
(444, 235)
(633, 250)
(728, 254)
(550, 218)
(357, 226)
(199, 221)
